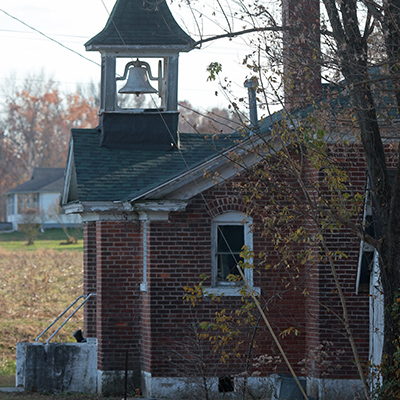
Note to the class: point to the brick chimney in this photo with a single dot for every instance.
(301, 52)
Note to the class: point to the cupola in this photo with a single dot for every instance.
(140, 48)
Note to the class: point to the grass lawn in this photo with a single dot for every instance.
(37, 283)
(7, 381)
(54, 239)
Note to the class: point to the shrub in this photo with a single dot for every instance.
(29, 225)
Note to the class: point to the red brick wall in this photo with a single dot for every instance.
(146, 339)
(119, 271)
(311, 365)
(179, 252)
(89, 278)
(155, 326)
(146, 309)
(328, 327)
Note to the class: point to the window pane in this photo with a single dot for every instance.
(367, 261)
(10, 205)
(230, 238)
(21, 203)
(230, 243)
(35, 200)
(227, 265)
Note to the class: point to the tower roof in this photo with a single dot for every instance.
(135, 24)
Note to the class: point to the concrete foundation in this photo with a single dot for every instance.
(333, 389)
(72, 367)
(196, 387)
(57, 367)
(112, 383)
(274, 387)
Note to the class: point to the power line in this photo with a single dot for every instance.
(50, 38)
(54, 34)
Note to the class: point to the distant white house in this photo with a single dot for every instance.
(42, 191)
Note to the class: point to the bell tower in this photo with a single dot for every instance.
(140, 33)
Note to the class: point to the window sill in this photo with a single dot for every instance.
(228, 291)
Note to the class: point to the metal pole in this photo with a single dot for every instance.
(72, 304)
(76, 310)
(251, 85)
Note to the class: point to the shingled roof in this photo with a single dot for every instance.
(104, 174)
(141, 23)
(49, 180)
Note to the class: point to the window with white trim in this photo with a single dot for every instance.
(229, 244)
(367, 257)
(10, 204)
(229, 233)
(27, 200)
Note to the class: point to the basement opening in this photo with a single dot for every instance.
(226, 384)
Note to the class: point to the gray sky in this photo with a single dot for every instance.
(73, 22)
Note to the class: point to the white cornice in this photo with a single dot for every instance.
(153, 215)
(158, 206)
(108, 216)
(113, 211)
(97, 207)
(158, 210)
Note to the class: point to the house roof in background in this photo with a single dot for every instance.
(140, 23)
(43, 180)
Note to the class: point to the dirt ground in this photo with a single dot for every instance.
(37, 396)
(9, 382)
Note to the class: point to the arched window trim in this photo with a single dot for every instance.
(230, 218)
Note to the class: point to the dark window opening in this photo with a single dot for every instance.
(371, 222)
(226, 384)
(367, 260)
(369, 225)
(230, 241)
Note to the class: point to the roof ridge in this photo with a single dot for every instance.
(132, 25)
